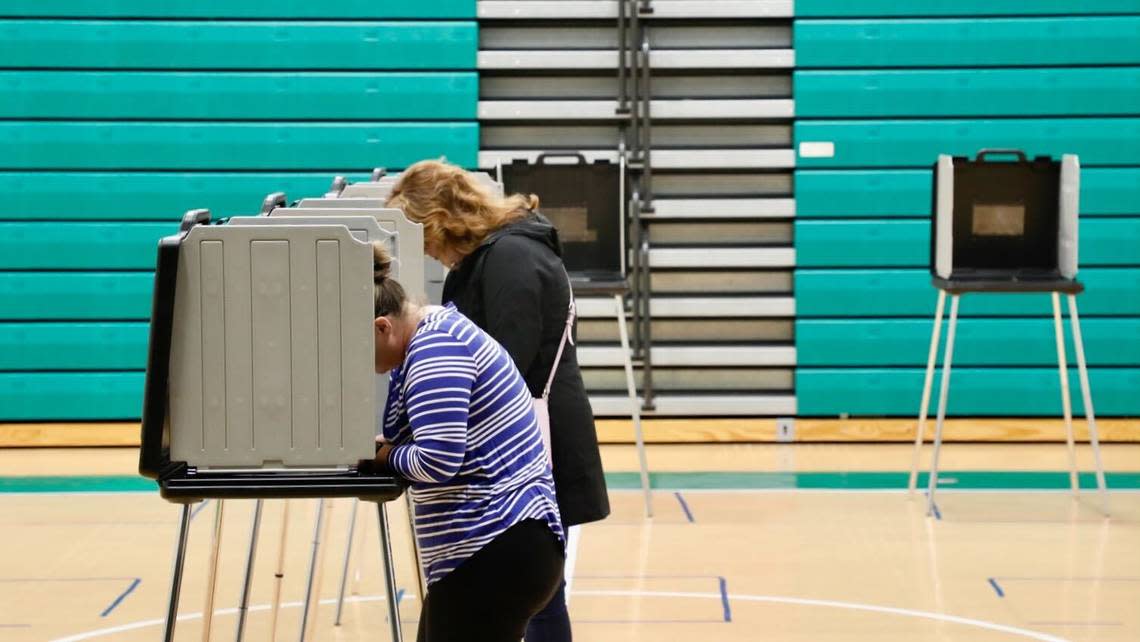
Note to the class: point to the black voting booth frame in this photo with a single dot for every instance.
(1032, 219)
(596, 195)
(182, 484)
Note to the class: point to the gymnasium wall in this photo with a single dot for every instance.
(893, 83)
(117, 116)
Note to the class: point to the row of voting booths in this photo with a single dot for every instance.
(257, 386)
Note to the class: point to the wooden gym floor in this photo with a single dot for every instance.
(749, 542)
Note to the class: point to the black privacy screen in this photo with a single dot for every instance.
(1005, 216)
(583, 200)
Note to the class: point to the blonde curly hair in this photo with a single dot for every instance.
(457, 212)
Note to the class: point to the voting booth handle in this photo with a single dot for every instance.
(192, 218)
(982, 154)
(576, 155)
(272, 202)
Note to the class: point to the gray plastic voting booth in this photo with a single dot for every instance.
(256, 384)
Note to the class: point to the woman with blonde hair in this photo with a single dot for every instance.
(506, 274)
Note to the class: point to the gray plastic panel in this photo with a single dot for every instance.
(266, 365)
(1067, 215)
(362, 228)
(944, 216)
(409, 241)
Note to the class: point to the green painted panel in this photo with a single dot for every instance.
(149, 195)
(884, 193)
(863, 8)
(33, 396)
(141, 44)
(907, 292)
(979, 342)
(344, 10)
(974, 92)
(973, 391)
(967, 42)
(906, 243)
(917, 143)
(853, 480)
(63, 295)
(239, 95)
(251, 146)
(689, 480)
(73, 346)
(81, 246)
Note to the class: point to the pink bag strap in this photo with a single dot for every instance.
(567, 336)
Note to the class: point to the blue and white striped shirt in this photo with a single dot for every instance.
(466, 435)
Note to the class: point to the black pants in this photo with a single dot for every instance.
(552, 623)
(491, 596)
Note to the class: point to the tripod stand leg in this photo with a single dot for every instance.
(1086, 396)
(1066, 398)
(176, 574)
(635, 406)
(421, 577)
(389, 575)
(347, 557)
(212, 579)
(308, 605)
(943, 397)
(279, 575)
(243, 608)
(927, 384)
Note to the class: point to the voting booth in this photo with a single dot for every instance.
(257, 386)
(1002, 223)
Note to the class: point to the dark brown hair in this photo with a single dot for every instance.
(388, 295)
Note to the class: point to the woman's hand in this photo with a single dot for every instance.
(383, 450)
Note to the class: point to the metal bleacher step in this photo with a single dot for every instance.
(607, 9)
(722, 257)
(508, 59)
(661, 109)
(698, 307)
(595, 356)
(708, 405)
(721, 208)
(666, 158)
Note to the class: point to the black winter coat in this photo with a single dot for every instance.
(514, 287)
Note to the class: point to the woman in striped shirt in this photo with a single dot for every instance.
(460, 424)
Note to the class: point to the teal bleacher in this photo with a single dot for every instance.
(893, 83)
(119, 116)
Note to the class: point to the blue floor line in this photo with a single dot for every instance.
(997, 589)
(685, 507)
(724, 599)
(122, 596)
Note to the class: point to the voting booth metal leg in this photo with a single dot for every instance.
(212, 578)
(927, 384)
(307, 607)
(634, 404)
(415, 550)
(347, 558)
(243, 607)
(1086, 396)
(421, 576)
(176, 574)
(1066, 398)
(390, 574)
(943, 397)
(279, 575)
